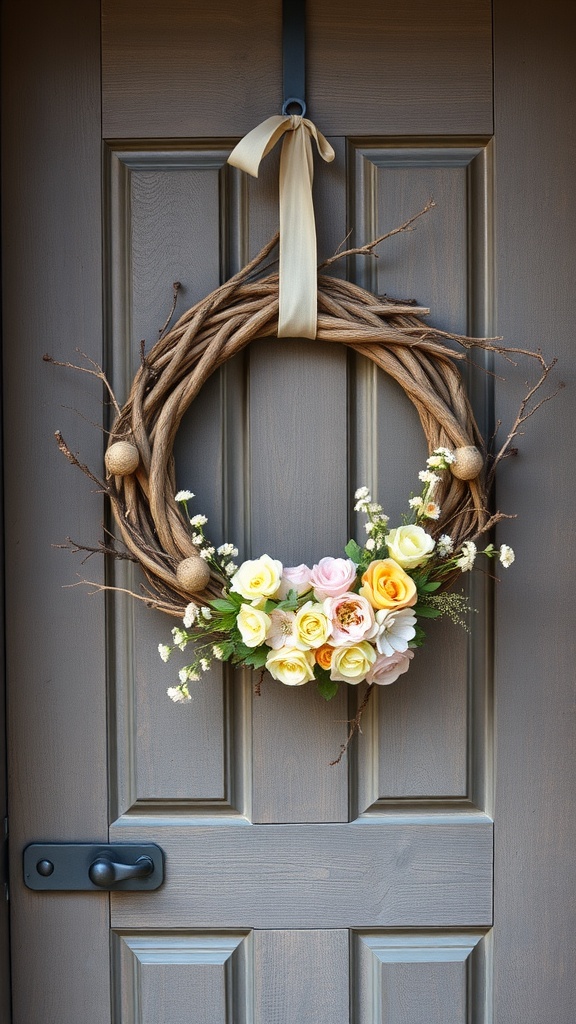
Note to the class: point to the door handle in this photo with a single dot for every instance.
(105, 872)
(93, 866)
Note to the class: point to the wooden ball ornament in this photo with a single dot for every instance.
(193, 574)
(468, 463)
(122, 458)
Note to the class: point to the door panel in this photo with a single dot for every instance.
(371, 880)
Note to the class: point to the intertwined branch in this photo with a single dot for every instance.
(423, 360)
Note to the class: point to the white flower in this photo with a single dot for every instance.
(204, 664)
(506, 555)
(197, 539)
(230, 569)
(441, 458)
(179, 694)
(431, 510)
(362, 492)
(428, 477)
(183, 496)
(467, 556)
(205, 554)
(396, 629)
(180, 637)
(226, 550)
(198, 520)
(444, 545)
(370, 544)
(409, 546)
(369, 527)
(415, 502)
(282, 629)
(187, 673)
(206, 613)
(164, 651)
(218, 652)
(190, 615)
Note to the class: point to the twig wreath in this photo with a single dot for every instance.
(350, 619)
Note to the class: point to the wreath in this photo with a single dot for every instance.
(347, 619)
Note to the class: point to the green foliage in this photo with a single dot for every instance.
(326, 686)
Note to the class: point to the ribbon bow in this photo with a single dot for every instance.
(297, 315)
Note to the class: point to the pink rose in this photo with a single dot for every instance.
(387, 668)
(352, 619)
(332, 577)
(296, 577)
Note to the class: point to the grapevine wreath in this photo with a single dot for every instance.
(350, 619)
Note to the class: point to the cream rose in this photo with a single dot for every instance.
(352, 664)
(294, 577)
(253, 625)
(386, 585)
(291, 666)
(410, 546)
(312, 626)
(258, 579)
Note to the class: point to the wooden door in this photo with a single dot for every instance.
(295, 891)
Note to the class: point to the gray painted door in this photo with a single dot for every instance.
(295, 891)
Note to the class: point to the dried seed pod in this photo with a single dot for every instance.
(468, 463)
(122, 458)
(193, 574)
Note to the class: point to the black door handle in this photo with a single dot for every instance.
(105, 872)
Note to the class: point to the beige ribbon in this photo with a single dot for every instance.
(298, 311)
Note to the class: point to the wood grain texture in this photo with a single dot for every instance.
(55, 656)
(369, 874)
(396, 70)
(535, 799)
(301, 976)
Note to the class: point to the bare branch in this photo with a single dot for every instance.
(97, 371)
(368, 249)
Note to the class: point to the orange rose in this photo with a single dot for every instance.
(386, 585)
(324, 656)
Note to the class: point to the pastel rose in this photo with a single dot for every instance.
(387, 668)
(282, 631)
(352, 619)
(312, 626)
(352, 664)
(410, 546)
(295, 577)
(257, 579)
(324, 656)
(386, 585)
(291, 666)
(253, 625)
(332, 577)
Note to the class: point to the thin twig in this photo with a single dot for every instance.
(355, 724)
(176, 288)
(368, 249)
(96, 372)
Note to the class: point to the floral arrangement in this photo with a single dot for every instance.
(345, 620)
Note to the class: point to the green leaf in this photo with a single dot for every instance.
(290, 602)
(221, 604)
(429, 588)
(426, 612)
(257, 657)
(354, 551)
(327, 687)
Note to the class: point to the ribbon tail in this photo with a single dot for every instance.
(298, 312)
(248, 153)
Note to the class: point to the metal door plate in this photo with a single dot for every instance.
(67, 865)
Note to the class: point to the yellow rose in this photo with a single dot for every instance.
(352, 664)
(410, 546)
(312, 626)
(386, 585)
(253, 625)
(256, 580)
(291, 666)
